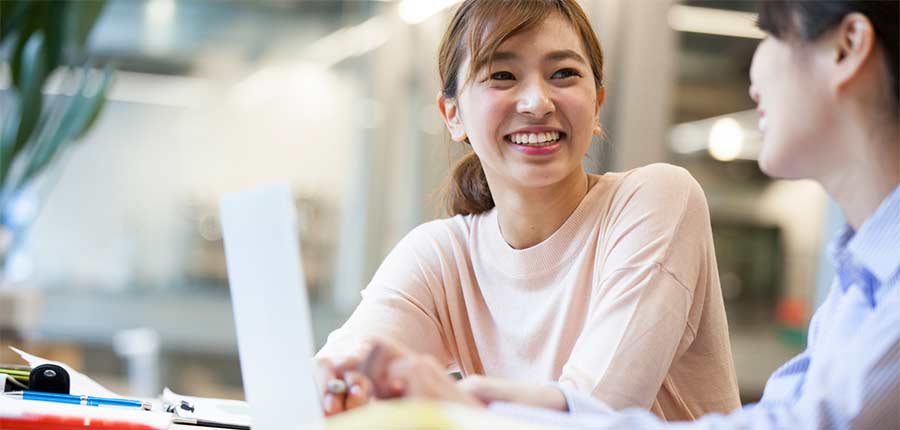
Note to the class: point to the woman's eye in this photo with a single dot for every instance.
(502, 76)
(565, 73)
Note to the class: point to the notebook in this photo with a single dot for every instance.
(271, 309)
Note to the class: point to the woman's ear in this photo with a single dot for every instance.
(450, 113)
(598, 127)
(852, 46)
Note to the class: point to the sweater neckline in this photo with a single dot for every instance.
(543, 257)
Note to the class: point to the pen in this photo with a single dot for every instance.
(78, 400)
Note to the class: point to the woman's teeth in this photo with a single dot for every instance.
(535, 139)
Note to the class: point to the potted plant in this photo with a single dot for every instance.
(45, 40)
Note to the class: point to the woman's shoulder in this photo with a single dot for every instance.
(659, 175)
(440, 228)
(658, 184)
(663, 194)
(424, 253)
(445, 235)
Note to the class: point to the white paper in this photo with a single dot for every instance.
(217, 410)
(78, 382)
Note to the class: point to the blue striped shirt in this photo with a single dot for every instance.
(849, 375)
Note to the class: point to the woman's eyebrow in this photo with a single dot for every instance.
(565, 54)
(504, 56)
(554, 56)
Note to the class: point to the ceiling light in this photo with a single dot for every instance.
(726, 139)
(416, 11)
(714, 21)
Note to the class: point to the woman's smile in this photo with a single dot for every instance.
(536, 141)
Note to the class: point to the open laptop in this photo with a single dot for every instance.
(271, 310)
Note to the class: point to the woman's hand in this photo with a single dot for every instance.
(398, 372)
(489, 390)
(342, 386)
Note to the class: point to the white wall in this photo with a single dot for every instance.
(118, 211)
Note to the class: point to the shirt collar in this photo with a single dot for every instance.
(875, 245)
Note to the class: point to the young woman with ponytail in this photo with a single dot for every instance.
(544, 274)
(827, 84)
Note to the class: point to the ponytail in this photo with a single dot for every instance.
(468, 192)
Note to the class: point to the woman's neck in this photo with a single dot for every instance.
(869, 173)
(528, 216)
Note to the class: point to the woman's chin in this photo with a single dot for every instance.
(778, 166)
(539, 176)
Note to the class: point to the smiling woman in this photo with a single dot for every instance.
(471, 47)
(545, 274)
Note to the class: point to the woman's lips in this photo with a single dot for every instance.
(536, 150)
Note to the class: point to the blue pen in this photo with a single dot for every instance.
(79, 400)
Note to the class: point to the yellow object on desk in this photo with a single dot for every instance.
(415, 415)
(393, 414)
(423, 415)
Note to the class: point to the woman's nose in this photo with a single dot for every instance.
(535, 101)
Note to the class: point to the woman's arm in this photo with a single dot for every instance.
(399, 305)
(655, 259)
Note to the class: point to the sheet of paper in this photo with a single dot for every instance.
(78, 382)
(218, 410)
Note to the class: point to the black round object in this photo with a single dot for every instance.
(49, 378)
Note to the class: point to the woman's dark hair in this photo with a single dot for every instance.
(809, 20)
(477, 29)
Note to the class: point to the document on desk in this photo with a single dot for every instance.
(79, 383)
(234, 413)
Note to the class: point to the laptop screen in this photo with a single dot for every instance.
(271, 310)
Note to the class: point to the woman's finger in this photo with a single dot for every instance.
(332, 399)
(423, 377)
(376, 366)
(359, 389)
(333, 403)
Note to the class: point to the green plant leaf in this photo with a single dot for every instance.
(12, 14)
(81, 113)
(34, 18)
(45, 34)
(97, 101)
(82, 16)
(54, 31)
(31, 98)
(7, 140)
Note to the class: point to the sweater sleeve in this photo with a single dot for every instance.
(655, 251)
(400, 303)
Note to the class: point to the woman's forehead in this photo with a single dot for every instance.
(553, 33)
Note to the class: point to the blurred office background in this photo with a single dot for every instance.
(122, 272)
